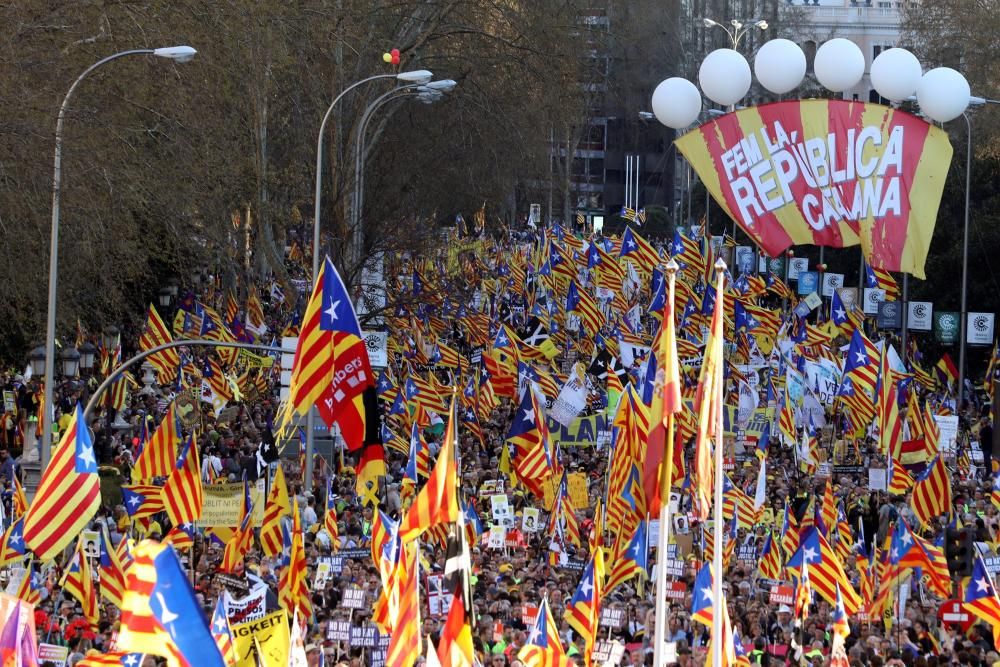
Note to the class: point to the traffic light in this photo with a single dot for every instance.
(960, 550)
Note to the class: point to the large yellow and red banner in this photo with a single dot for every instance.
(827, 172)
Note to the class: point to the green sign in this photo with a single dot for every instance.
(946, 326)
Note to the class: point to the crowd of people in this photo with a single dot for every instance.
(508, 282)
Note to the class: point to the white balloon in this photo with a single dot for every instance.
(896, 74)
(839, 64)
(724, 76)
(943, 94)
(780, 66)
(676, 102)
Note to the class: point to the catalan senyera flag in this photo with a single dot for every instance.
(19, 501)
(183, 494)
(709, 403)
(331, 361)
(293, 588)
(158, 456)
(404, 643)
(68, 495)
(222, 633)
(665, 405)
(276, 507)
(932, 492)
(437, 501)
(78, 582)
(330, 516)
(883, 280)
(887, 204)
(241, 541)
(543, 648)
(156, 333)
(887, 408)
(825, 569)
(584, 610)
(12, 544)
(160, 613)
(142, 500)
(111, 572)
(980, 597)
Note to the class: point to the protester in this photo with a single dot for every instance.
(464, 324)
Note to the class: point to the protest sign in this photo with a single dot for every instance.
(223, 503)
(576, 483)
(252, 607)
(57, 655)
(269, 633)
(354, 598)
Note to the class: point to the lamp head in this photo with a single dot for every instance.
(420, 76)
(443, 85)
(179, 54)
(762, 24)
(709, 22)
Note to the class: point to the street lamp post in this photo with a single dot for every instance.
(419, 76)
(780, 65)
(430, 92)
(180, 54)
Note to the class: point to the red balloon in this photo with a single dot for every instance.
(395, 53)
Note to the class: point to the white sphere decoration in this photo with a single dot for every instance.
(676, 102)
(943, 94)
(839, 64)
(780, 66)
(896, 74)
(724, 76)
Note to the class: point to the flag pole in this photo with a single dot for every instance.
(666, 477)
(720, 267)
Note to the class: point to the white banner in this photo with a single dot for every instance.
(797, 265)
(251, 608)
(979, 329)
(873, 297)
(377, 344)
(832, 282)
(571, 400)
(919, 316)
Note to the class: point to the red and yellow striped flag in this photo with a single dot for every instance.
(154, 334)
(437, 501)
(241, 541)
(710, 402)
(183, 495)
(68, 495)
(666, 404)
(293, 588)
(19, 502)
(159, 454)
(404, 644)
(932, 492)
(111, 572)
(79, 583)
(277, 506)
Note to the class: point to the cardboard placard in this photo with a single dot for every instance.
(354, 598)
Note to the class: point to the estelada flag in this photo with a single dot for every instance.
(331, 368)
(68, 495)
(827, 172)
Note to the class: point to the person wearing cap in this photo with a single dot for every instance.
(783, 622)
(314, 655)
